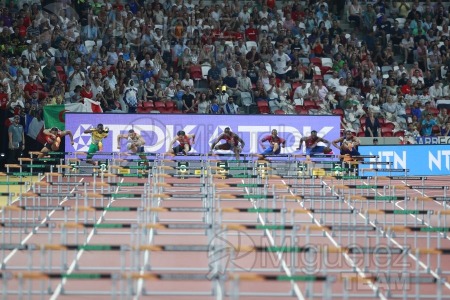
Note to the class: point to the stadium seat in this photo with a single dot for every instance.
(148, 104)
(279, 112)
(196, 73)
(263, 107)
(305, 60)
(143, 110)
(317, 61)
(434, 111)
(205, 70)
(250, 44)
(170, 105)
(399, 133)
(388, 125)
(387, 132)
(362, 121)
(309, 103)
(401, 22)
(300, 110)
(160, 106)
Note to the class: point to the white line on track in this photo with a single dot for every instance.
(74, 263)
(140, 282)
(412, 256)
(10, 255)
(346, 256)
(295, 286)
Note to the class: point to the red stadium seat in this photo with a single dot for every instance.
(362, 121)
(338, 111)
(388, 125)
(300, 110)
(159, 104)
(317, 61)
(434, 111)
(399, 133)
(264, 110)
(148, 104)
(143, 110)
(170, 105)
(263, 107)
(387, 132)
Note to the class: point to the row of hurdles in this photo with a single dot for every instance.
(283, 215)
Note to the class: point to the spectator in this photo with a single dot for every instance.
(445, 130)
(230, 108)
(372, 126)
(427, 125)
(130, 97)
(188, 99)
(16, 140)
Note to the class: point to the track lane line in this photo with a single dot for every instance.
(59, 288)
(10, 255)
(336, 244)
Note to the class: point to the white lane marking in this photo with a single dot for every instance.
(74, 263)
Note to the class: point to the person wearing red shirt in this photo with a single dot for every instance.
(275, 142)
(30, 88)
(232, 141)
(312, 142)
(86, 92)
(184, 143)
(251, 33)
(53, 137)
(4, 99)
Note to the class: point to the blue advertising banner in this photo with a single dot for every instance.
(158, 130)
(420, 160)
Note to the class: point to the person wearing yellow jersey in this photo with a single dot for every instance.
(97, 136)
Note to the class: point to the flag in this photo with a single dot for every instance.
(54, 115)
(35, 129)
(92, 106)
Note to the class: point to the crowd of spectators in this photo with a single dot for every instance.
(375, 62)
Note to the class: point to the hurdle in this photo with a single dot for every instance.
(290, 212)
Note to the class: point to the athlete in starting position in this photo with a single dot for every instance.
(97, 136)
(232, 142)
(184, 143)
(275, 142)
(312, 147)
(135, 143)
(53, 138)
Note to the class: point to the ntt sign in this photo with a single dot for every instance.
(158, 130)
